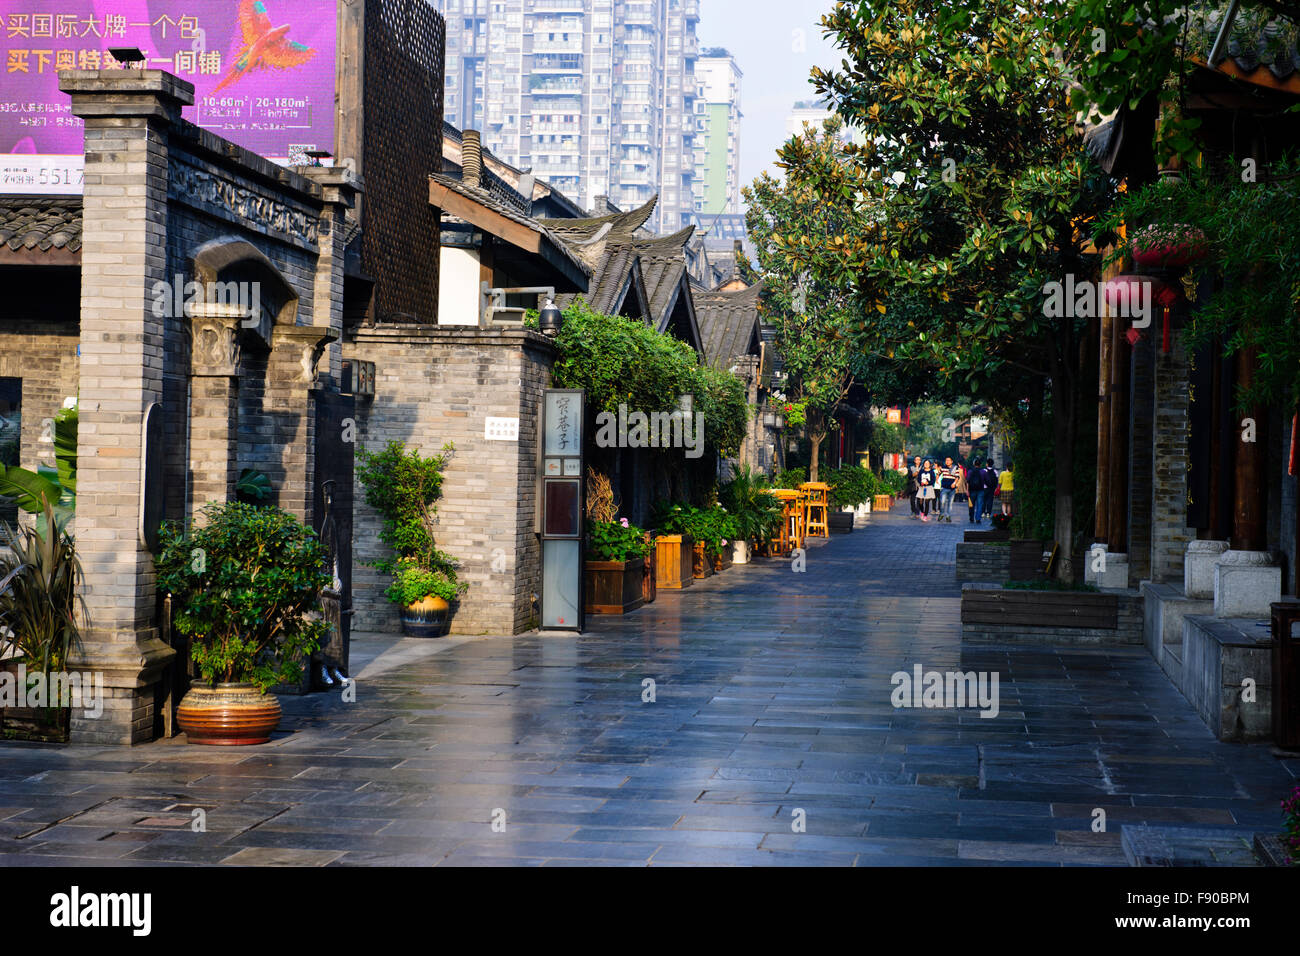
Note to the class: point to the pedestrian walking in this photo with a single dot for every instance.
(913, 472)
(1006, 488)
(975, 478)
(926, 482)
(990, 486)
(948, 478)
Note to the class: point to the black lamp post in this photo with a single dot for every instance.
(550, 319)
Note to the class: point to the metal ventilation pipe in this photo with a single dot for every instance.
(471, 158)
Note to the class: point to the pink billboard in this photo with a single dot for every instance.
(263, 75)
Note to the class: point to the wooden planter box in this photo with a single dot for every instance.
(44, 724)
(701, 564)
(673, 561)
(839, 522)
(1039, 608)
(882, 502)
(614, 587)
(984, 537)
(648, 579)
(1026, 559)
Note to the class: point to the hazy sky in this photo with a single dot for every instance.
(760, 34)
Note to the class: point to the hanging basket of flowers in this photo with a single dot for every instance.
(1168, 246)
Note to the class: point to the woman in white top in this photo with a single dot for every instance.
(926, 482)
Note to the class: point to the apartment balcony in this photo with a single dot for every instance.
(572, 45)
(691, 10)
(558, 6)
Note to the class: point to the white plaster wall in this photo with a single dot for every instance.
(458, 287)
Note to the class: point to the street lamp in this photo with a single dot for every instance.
(550, 320)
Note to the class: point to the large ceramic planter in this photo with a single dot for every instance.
(228, 715)
(701, 563)
(427, 618)
(614, 587)
(673, 561)
(740, 552)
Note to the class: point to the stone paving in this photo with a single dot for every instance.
(772, 696)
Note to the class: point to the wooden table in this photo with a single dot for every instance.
(792, 518)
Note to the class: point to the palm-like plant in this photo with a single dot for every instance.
(756, 510)
(55, 486)
(39, 600)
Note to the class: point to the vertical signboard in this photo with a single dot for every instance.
(263, 74)
(562, 509)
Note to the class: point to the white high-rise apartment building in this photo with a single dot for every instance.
(596, 96)
(717, 179)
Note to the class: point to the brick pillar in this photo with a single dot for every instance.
(1169, 532)
(214, 409)
(290, 411)
(127, 115)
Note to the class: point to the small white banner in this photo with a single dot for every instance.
(501, 429)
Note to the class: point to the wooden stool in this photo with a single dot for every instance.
(818, 493)
(787, 535)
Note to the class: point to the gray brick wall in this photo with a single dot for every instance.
(1169, 531)
(977, 561)
(436, 385)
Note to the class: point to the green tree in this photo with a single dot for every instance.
(969, 188)
(812, 311)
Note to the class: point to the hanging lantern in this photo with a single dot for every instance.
(1168, 247)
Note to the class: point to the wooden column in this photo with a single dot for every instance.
(1249, 533)
(1102, 510)
(1118, 433)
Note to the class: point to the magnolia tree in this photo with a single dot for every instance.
(814, 312)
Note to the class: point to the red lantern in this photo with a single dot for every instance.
(1168, 247)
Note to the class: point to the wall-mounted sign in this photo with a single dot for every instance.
(263, 74)
(501, 429)
(894, 415)
(358, 377)
(562, 509)
(563, 422)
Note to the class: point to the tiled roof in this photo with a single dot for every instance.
(728, 322)
(490, 202)
(1259, 43)
(40, 223)
(590, 237)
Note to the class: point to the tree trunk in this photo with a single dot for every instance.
(814, 452)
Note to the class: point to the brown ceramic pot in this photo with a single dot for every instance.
(228, 715)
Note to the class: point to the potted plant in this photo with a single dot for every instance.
(425, 595)
(756, 512)
(245, 589)
(403, 486)
(39, 613)
(615, 567)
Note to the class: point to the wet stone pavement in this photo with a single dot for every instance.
(772, 696)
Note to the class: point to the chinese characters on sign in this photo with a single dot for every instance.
(263, 74)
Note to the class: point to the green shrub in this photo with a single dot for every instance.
(851, 485)
(245, 590)
(39, 600)
(622, 361)
(713, 527)
(893, 482)
(616, 541)
(790, 478)
(402, 485)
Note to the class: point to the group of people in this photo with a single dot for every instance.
(932, 489)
